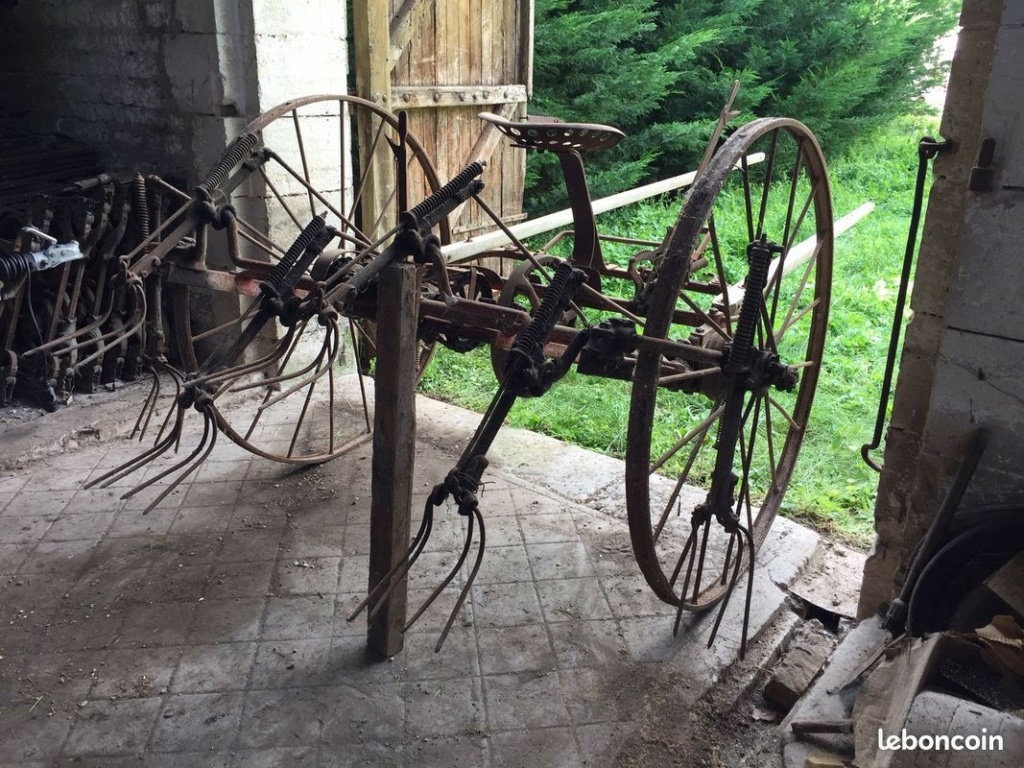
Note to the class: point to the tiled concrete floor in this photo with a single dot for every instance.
(212, 631)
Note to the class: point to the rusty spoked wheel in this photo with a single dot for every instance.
(677, 416)
(329, 154)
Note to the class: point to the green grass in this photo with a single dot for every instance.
(832, 489)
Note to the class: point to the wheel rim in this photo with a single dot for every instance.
(786, 198)
(320, 151)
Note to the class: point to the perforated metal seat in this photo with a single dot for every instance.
(553, 135)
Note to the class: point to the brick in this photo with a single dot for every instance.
(800, 665)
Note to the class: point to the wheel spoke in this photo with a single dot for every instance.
(681, 480)
(794, 183)
(748, 207)
(785, 414)
(778, 267)
(764, 330)
(700, 429)
(305, 163)
(795, 301)
(723, 283)
(280, 199)
(792, 320)
(768, 174)
(704, 316)
(770, 441)
(253, 235)
(365, 172)
(786, 237)
(747, 457)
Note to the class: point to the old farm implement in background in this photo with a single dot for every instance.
(717, 331)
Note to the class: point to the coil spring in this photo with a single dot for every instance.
(557, 296)
(448, 192)
(313, 250)
(141, 204)
(280, 274)
(239, 150)
(750, 309)
(14, 266)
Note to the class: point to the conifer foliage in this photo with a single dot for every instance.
(660, 69)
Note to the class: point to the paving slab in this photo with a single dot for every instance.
(213, 630)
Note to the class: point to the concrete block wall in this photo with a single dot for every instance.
(163, 85)
(963, 361)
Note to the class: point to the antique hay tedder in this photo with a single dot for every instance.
(716, 332)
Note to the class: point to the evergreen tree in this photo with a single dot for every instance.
(660, 70)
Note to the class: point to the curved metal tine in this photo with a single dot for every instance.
(728, 592)
(148, 405)
(281, 376)
(123, 470)
(285, 358)
(469, 579)
(690, 549)
(403, 568)
(360, 376)
(319, 370)
(208, 422)
(328, 349)
(389, 579)
(750, 589)
(728, 559)
(178, 379)
(117, 335)
(78, 333)
(447, 580)
(224, 377)
(693, 557)
(137, 323)
(700, 561)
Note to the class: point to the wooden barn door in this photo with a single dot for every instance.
(445, 61)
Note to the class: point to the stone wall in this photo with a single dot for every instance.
(963, 362)
(162, 85)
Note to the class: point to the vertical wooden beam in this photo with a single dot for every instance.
(371, 22)
(394, 449)
(526, 22)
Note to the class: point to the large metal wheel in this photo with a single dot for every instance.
(319, 154)
(676, 420)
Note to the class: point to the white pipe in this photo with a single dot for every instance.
(800, 253)
(466, 249)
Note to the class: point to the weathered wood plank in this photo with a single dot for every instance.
(394, 450)
(488, 141)
(456, 64)
(525, 54)
(407, 22)
(421, 96)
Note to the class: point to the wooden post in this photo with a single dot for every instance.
(394, 448)
(371, 21)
